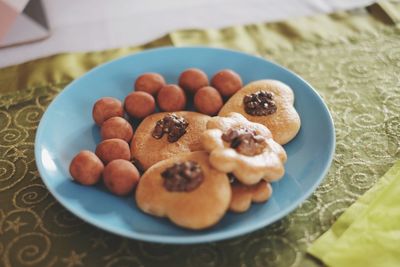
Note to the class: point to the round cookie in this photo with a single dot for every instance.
(244, 195)
(148, 150)
(284, 122)
(196, 209)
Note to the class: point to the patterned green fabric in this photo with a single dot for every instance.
(352, 58)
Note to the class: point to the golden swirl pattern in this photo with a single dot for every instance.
(331, 211)
(308, 208)
(18, 221)
(12, 136)
(269, 251)
(30, 249)
(364, 69)
(380, 147)
(280, 227)
(312, 68)
(57, 221)
(11, 173)
(367, 120)
(392, 126)
(7, 170)
(28, 117)
(159, 251)
(124, 261)
(30, 196)
(206, 256)
(331, 183)
(5, 120)
(344, 96)
(65, 219)
(343, 152)
(342, 129)
(358, 176)
(392, 54)
(24, 150)
(393, 101)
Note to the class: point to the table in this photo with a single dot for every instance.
(351, 58)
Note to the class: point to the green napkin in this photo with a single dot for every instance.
(368, 233)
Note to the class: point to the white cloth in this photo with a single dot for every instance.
(86, 25)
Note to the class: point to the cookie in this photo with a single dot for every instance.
(270, 103)
(244, 195)
(186, 189)
(243, 148)
(151, 143)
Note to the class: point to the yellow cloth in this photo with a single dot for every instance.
(368, 233)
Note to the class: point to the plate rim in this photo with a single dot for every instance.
(209, 237)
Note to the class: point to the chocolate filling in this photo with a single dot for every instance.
(173, 125)
(259, 104)
(232, 178)
(245, 142)
(183, 177)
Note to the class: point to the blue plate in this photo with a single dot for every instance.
(67, 127)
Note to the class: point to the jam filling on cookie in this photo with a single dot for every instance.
(245, 142)
(259, 104)
(183, 177)
(172, 125)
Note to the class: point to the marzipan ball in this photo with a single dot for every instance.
(105, 108)
(192, 80)
(171, 98)
(120, 176)
(116, 127)
(208, 101)
(227, 82)
(111, 149)
(140, 104)
(150, 83)
(86, 168)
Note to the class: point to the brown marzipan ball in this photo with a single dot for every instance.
(150, 83)
(86, 168)
(140, 104)
(208, 101)
(192, 80)
(171, 98)
(227, 82)
(105, 108)
(120, 176)
(116, 127)
(111, 149)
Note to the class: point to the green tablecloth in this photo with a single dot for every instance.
(351, 58)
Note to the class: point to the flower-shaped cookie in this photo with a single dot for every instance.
(186, 189)
(243, 148)
(270, 103)
(244, 195)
